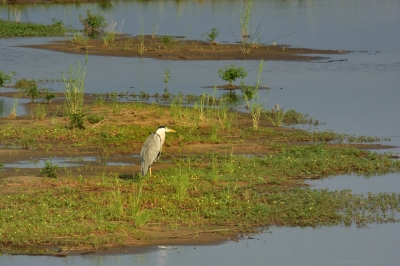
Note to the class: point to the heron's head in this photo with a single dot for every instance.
(164, 129)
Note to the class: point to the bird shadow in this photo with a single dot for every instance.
(130, 177)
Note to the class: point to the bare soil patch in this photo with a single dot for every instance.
(182, 49)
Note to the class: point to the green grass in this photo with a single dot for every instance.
(227, 191)
(207, 123)
(208, 189)
(10, 29)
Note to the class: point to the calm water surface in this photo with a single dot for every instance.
(358, 96)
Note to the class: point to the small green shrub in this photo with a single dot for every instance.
(210, 37)
(29, 87)
(50, 170)
(93, 23)
(167, 40)
(57, 23)
(248, 91)
(49, 96)
(76, 120)
(24, 83)
(231, 73)
(5, 78)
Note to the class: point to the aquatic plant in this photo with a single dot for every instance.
(231, 73)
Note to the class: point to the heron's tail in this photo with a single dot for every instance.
(143, 167)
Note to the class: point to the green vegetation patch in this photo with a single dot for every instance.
(206, 190)
(26, 29)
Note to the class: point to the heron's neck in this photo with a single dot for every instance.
(162, 136)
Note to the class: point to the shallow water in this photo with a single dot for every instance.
(360, 184)
(279, 246)
(358, 96)
(70, 161)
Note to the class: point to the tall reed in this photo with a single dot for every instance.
(252, 98)
(245, 18)
(13, 113)
(141, 48)
(74, 89)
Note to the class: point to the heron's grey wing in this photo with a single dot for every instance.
(150, 151)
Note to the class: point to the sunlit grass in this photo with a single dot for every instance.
(223, 190)
(203, 189)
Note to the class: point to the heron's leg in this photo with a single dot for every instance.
(150, 171)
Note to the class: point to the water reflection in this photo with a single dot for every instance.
(360, 184)
(72, 161)
(278, 246)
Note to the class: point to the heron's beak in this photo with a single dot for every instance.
(169, 130)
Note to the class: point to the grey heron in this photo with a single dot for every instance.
(151, 149)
